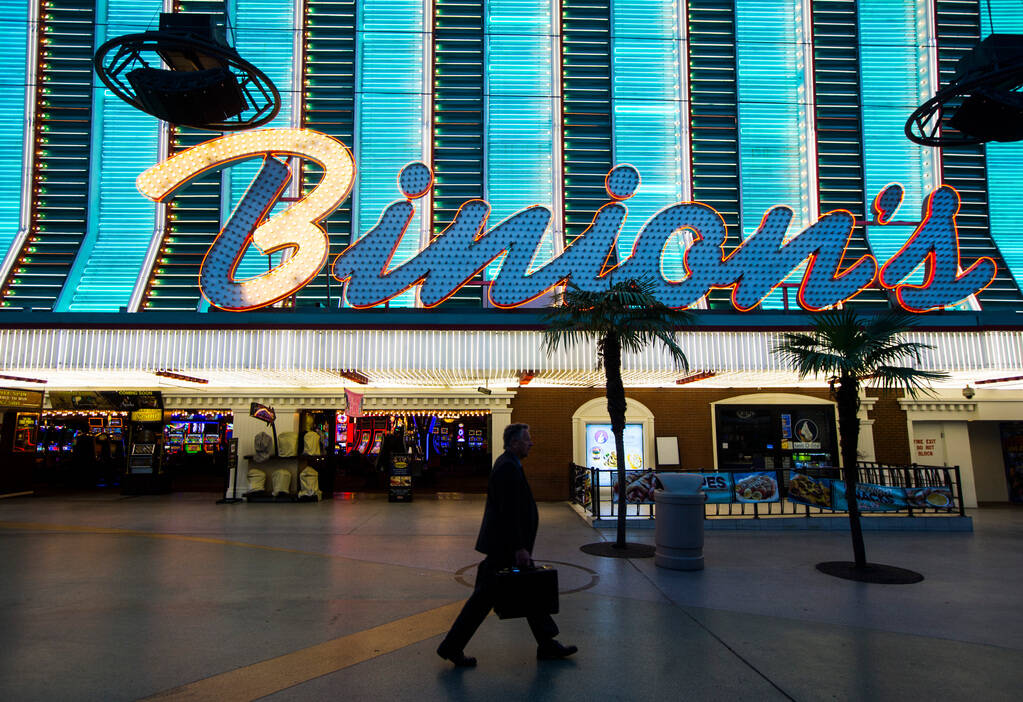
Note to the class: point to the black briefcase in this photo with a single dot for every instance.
(520, 592)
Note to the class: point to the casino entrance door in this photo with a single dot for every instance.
(450, 451)
(452, 439)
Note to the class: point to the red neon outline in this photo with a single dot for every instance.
(930, 260)
(839, 273)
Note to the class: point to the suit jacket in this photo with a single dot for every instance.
(510, 519)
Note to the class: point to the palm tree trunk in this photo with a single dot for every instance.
(616, 407)
(849, 427)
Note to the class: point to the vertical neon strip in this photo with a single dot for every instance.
(1005, 161)
(389, 94)
(808, 124)
(893, 79)
(125, 142)
(15, 145)
(773, 115)
(264, 34)
(646, 109)
(557, 176)
(425, 204)
(520, 121)
(682, 67)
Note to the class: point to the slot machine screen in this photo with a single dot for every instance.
(341, 432)
(210, 443)
(193, 443)
(378, 440)
(363, 441)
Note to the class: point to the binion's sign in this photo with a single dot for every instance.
(752, 270)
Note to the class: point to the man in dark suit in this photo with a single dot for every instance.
(507, 535)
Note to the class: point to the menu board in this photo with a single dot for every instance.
(600, 447)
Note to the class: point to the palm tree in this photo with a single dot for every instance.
(849, 349)
(624, 316)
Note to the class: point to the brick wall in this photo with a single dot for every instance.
(891, 430)
(681, 412)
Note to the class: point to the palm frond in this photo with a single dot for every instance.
(842, 343)
(627, 309)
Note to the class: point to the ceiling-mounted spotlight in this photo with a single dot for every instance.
(982, 102)
(484, 391)
(187, 73)
(969, 392)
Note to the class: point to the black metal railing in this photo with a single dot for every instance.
(593, 489)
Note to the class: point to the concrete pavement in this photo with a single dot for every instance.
(108, 598)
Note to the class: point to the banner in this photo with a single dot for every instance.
(718, 487)
(827, 493)
(353, 403)
(815, 492)
(639, 486)
(869, 498)
(756, 487)
(106, 400)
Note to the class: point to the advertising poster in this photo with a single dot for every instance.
(756, 487)
(870, 498)
(931, 497)
(639, 486)
(718, 487)
(600, 447)
(815, 492)
(400, 488)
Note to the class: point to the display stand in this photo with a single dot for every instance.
(400, 488)
(232, 467)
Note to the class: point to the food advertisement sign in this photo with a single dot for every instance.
(639, 486)
(807, 434)
(600, 447)
(718, 487)
(870, 498)
(815, 492)
(756, 487)
(882, 498)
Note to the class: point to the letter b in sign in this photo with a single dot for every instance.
(294, 232)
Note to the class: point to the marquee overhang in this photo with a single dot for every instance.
(411, 350)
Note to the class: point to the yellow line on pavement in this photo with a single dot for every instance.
(276, 674)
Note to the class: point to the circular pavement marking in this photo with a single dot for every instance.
(594, 578)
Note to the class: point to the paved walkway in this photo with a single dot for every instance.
(110, 598)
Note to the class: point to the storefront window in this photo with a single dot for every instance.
(776, 437)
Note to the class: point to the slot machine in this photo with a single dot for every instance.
(363, 441)
(210, 443)
(193, 443)
(378, 441)
(341, 437)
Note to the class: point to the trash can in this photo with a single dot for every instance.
(679, 521)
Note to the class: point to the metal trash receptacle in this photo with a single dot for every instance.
(679, 521)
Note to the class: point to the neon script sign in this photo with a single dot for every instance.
(752, 270)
